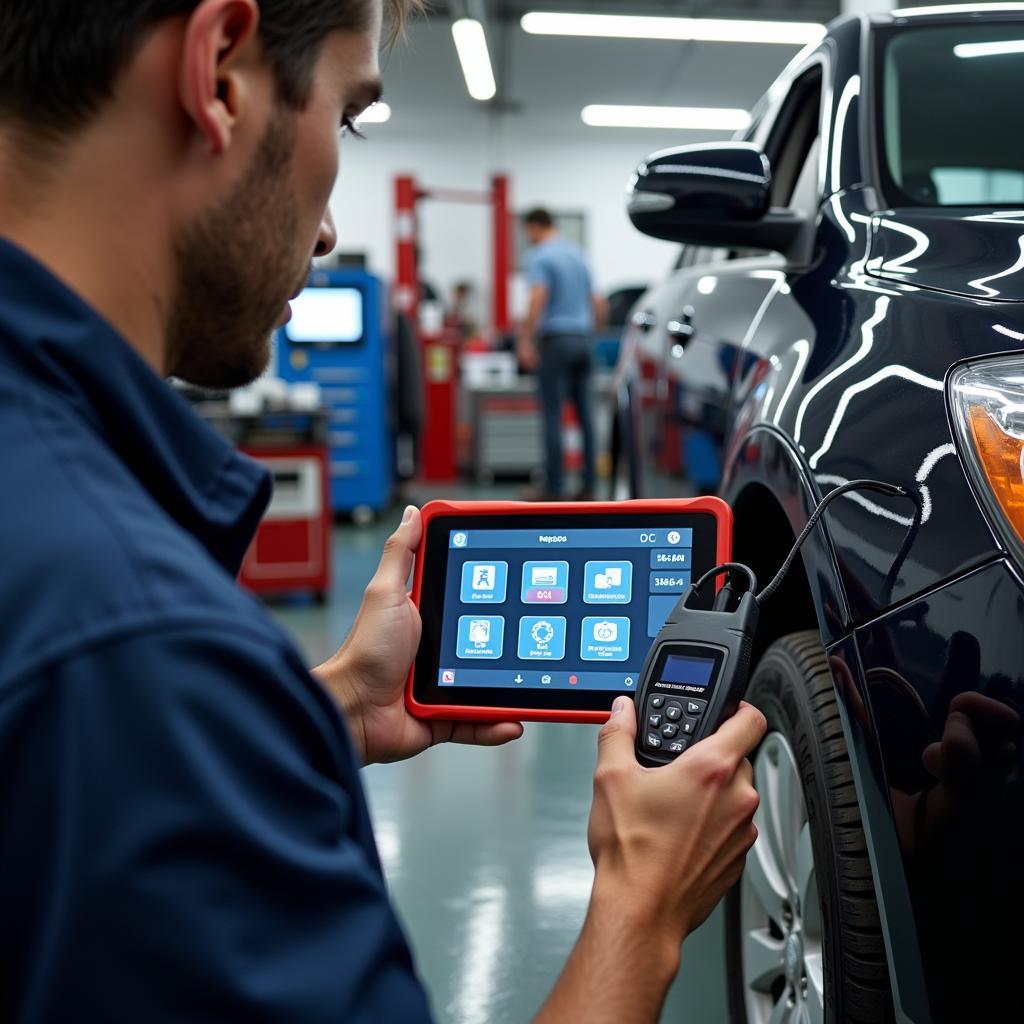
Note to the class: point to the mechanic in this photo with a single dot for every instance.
(185, 836)
(555, 341)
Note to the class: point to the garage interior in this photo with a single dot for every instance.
(643, 377)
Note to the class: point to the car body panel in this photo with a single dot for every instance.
(945, 250)
(959, 819)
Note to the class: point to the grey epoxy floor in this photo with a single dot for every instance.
(485, 850)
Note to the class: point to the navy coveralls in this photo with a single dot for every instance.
(183, 833)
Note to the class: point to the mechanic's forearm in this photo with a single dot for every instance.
(620, 968)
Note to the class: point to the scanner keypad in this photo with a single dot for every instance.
(671, 723)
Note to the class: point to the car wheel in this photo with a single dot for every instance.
(803, 938)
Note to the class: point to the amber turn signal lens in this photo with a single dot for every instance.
(986, 399)
(999, 458)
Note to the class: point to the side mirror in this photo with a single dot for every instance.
(717, 195)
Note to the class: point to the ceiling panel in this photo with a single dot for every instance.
(545, 81)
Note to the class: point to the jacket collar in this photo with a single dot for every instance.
(197, 476)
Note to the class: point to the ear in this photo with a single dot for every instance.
(219, 35)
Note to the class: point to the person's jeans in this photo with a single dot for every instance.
(566, 363)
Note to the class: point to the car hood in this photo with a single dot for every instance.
(972, 252)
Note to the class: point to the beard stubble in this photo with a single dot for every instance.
(236, 268)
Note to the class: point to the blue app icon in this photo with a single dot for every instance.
(480, 636)
(605, 638)
(545, 583)
(608, 583)
(542, 638)
(484, 582)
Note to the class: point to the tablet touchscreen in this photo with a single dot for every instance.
(550, 612)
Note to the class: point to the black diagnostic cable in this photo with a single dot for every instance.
(891, 490)
(696, 670)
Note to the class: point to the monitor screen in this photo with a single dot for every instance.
(326, 316)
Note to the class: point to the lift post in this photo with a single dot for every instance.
(439, 349)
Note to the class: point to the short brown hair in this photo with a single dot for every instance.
(540, 217)
(60, 60)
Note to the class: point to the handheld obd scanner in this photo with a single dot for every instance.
(697, 669)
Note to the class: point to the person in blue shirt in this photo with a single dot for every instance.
(555, 341)
(185, 836)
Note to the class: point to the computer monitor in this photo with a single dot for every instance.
(326, 317)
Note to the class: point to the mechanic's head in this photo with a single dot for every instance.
(538, 225)
(198, 137)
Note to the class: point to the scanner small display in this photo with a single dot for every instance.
(695, 672)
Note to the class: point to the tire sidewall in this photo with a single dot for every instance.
(776, 690)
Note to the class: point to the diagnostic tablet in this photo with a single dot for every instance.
(546, 611)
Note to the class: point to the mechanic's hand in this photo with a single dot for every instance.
(368, 675)
(528, 355)
(673, 839)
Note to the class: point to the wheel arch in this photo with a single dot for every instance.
(772, 494)
(762, 538)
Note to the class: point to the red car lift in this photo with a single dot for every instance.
(440, 351)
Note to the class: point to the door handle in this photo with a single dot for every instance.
(644, 320)
(680, 329)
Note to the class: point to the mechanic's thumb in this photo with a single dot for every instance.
(399, 551)
(618, 735)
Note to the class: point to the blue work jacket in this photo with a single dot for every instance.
(183, 833)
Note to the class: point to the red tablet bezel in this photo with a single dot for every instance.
(432, 510)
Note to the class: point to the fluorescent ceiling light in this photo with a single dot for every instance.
(989, 49)
(471, 44)
(714, 119)
(629, 26)
(376, 114)
(956, 9)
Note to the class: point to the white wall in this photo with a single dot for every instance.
(589, 178)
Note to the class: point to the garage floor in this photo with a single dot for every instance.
(485, 850)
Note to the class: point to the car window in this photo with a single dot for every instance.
(805, 192)
(952, 117)
(620, 302)
(791, 147)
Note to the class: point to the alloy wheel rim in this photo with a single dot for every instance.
(780, 914)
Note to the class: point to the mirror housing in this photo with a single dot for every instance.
(717, 195)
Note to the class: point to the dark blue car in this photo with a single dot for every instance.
(850, 304)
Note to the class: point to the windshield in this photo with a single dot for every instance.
(952, 106)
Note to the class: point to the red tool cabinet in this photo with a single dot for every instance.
(292, 547)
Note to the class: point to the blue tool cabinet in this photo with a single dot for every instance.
(338, 338)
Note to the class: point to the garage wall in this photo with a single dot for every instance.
(589, 178)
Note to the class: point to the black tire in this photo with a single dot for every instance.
(793, 686)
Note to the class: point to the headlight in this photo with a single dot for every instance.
(987, 399)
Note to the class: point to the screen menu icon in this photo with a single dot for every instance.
(484, 582)
(545, 583)
(542, 638)
(605, 639)
(480, 637)
(608, 583)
